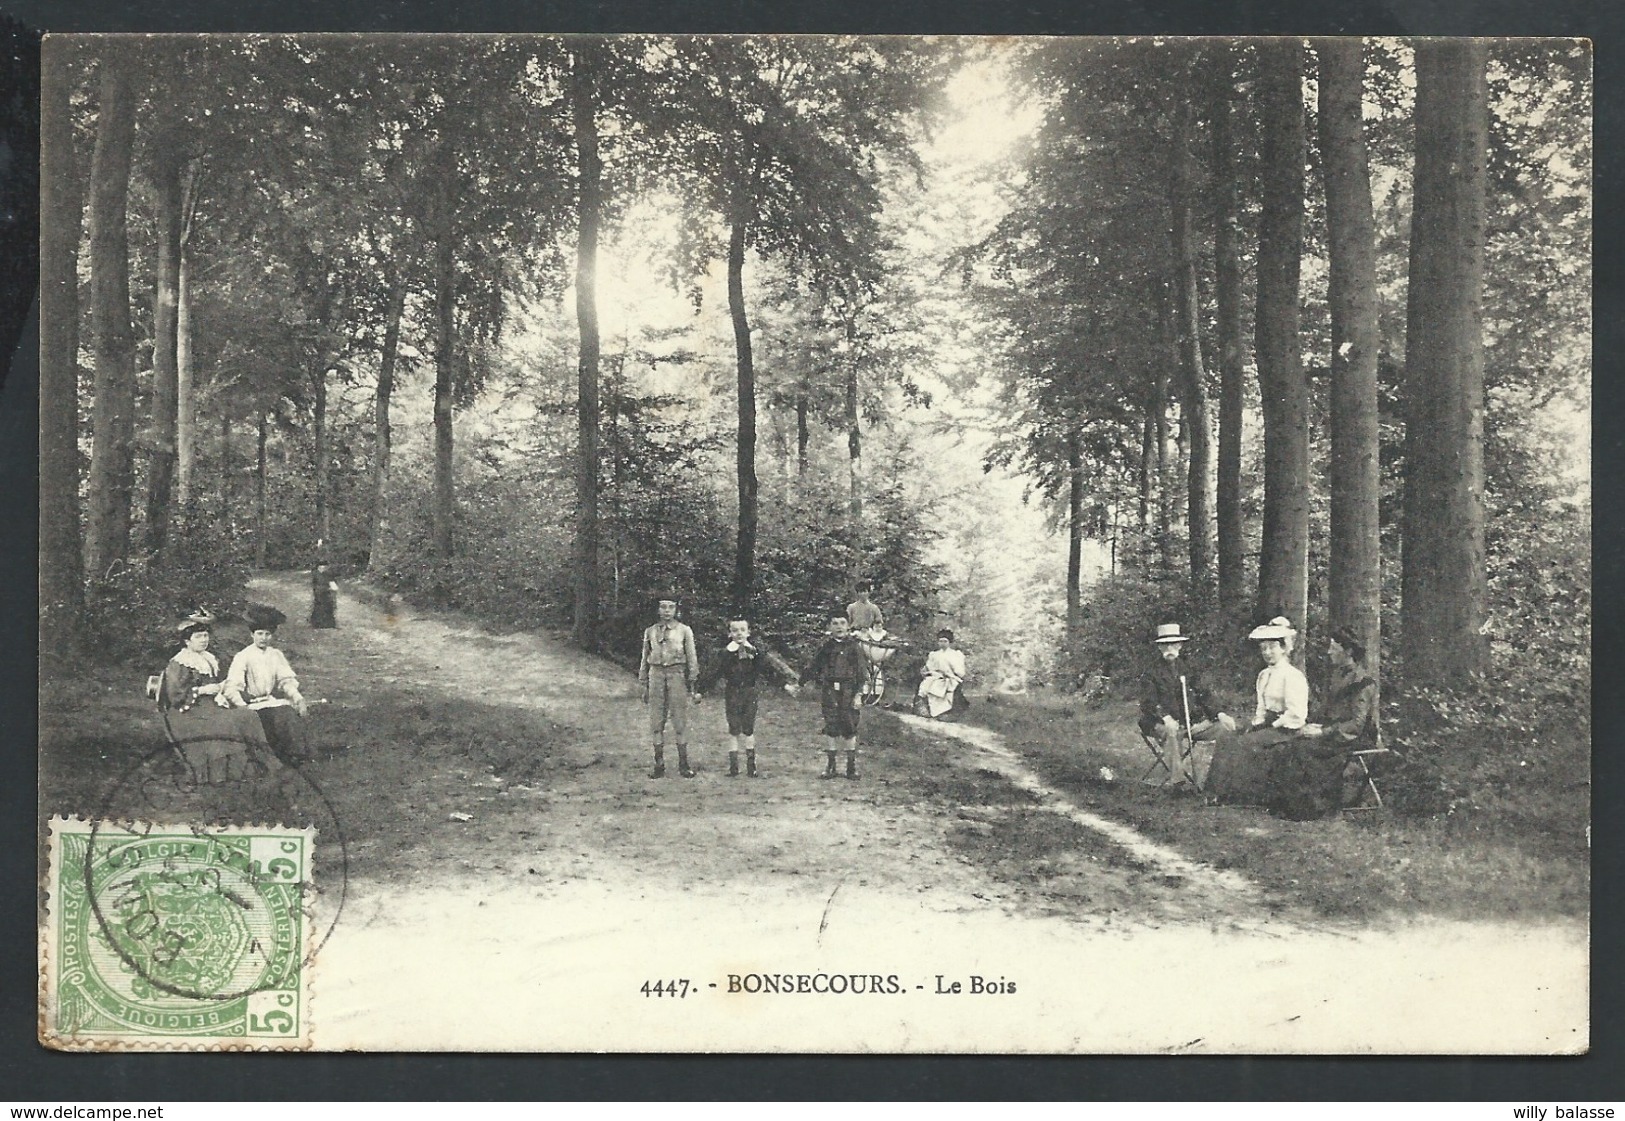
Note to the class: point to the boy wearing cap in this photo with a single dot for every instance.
(1165, 691)
(741, 664)
(261, 678)
(666, 667)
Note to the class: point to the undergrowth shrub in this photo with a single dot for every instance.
(131, 611)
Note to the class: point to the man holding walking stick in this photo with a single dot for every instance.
(1174, 703)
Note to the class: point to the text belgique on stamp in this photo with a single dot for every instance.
(176, 937)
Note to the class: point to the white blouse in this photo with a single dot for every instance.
(1284, 689)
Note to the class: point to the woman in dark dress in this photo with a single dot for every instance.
(218, 743)
(324, 599)
(1310, 778)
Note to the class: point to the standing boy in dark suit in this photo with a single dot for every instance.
(740, 664)
(839, 670)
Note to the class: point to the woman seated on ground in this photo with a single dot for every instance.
(941, 688)
(262, 683)
(218, 742)
(1241, 769)
(1311, 774)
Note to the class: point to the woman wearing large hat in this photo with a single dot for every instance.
(219, 743)
(1242, 769)
(260, 679)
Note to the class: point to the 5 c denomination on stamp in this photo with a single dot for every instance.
(176, 937)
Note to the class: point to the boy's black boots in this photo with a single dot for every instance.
(660, 764)
(682, 762)
(851, 764)
(829, 770)
(750, 765)
(733, 764)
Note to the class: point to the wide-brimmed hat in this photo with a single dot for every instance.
(1168, 633)
(199, 620)
(263, 618)
(1279, 629)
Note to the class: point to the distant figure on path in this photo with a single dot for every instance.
(1013, 672)
(324, 598)
(667, 668)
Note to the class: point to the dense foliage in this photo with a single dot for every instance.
(358, 268)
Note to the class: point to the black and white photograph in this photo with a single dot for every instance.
(815, 544)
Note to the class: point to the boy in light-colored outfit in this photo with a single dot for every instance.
(667, 667)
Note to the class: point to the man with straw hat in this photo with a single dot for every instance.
(1174, 701)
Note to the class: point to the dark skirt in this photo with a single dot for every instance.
(220, 745)
(1242, 771)
(1307, 781)
(286, 733)
(324, 608)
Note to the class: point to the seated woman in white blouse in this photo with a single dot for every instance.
(1282, 690)
(1242, 765)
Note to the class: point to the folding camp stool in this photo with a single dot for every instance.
(1159, 758)
(1359, 757)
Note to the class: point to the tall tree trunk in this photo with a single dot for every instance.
(617, 483)
(1074, 550)
(318, 439)
(803, 434)
(1166, 457)
(589, 201)
(1148, 465)
(61, 552)
(224, 476)
(380, 416)
(185, 386)
(445, 277)
(745, 551)
(1201, 479)
(1354, 577)
(854, 446)
(1442, 573)
(1232, 353)
(261, 521)
(112, 461)
(1283, 569)
(169, 200)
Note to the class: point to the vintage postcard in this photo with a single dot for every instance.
(815, 544)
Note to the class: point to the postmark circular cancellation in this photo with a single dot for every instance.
(173, 924)
(177, 936)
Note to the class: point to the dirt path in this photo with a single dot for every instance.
(534, 924)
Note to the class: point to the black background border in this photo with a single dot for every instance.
(29, 1072)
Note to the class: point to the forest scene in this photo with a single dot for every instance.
(1051, 342)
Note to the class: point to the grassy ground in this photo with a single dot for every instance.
(400, 758)
(1363, 864)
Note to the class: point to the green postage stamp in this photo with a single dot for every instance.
(165, 937)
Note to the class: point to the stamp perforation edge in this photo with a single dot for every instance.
(58, 902)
